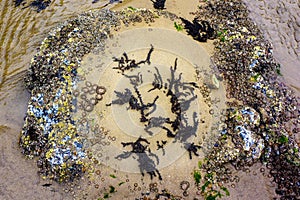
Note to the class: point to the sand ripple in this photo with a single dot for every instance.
(279, 20)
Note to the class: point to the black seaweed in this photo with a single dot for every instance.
(135, 79)
(175, 90)
(47, 185)
(192, 148)
(40, 4)
(181, 95)
(159, 4)
(146, 164)
(161, 146)
(125, 64)
(200, 31)
(138, 104)
(186, 131)
(157, 82)
(19, 2)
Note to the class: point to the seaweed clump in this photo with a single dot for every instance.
(200, 30)
(159, 4)
(38, 5)
(146, 164)
(180, 94)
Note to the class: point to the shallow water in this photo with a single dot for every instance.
(125, 124)
(22, 30)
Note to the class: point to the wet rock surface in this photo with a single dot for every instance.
(245, 61)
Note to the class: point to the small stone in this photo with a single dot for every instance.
(215, 82)
(184, 185)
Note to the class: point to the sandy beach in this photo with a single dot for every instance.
(23, 29)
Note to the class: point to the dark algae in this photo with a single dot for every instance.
(146, 164)
(200, 30)
(159, 4)
(192, 149)
(124, 63)
(37, 5)
(40, 5)
(174, 89)
(180, 95)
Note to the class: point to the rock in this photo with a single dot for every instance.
(215, 82)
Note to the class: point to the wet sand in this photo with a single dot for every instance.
(280, 23)
(19, 179)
